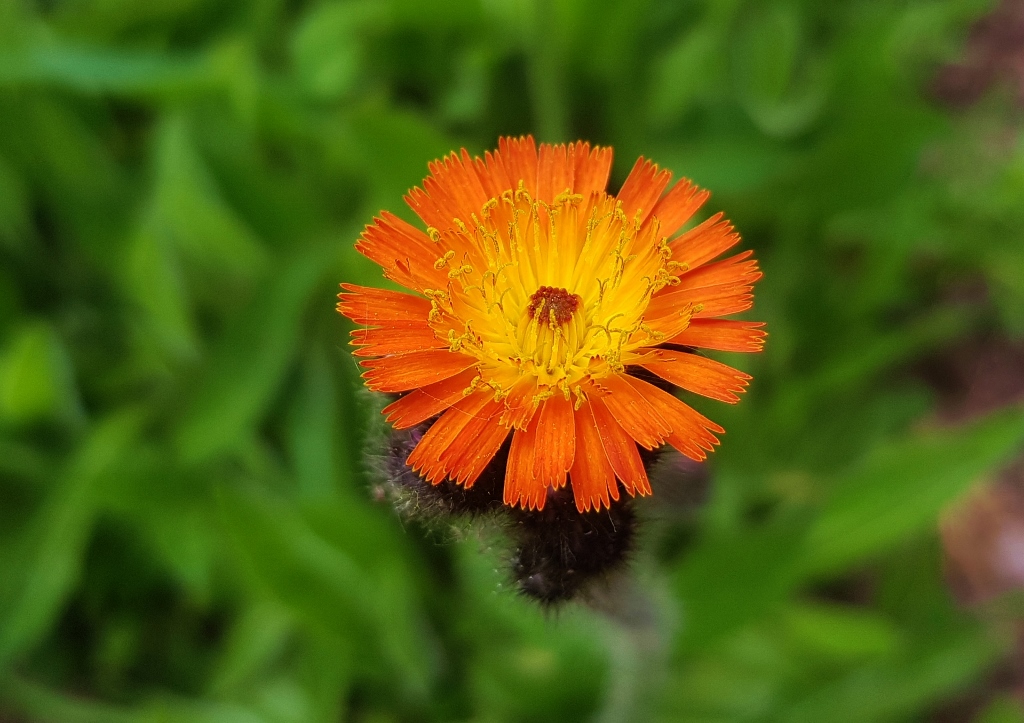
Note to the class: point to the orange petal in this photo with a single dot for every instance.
(593, 479)
(574, 168)
(519, 404)
(518, 160)
(475, 445)
(459, 185)
(556, 441)
(621, 450)
(423, 403)
(457, 175)
(400, 337)
(704, 242)
(408, 371)
(521, 486)
(554, 171)
(707, 301)
(429, 209)
(592, 168)
(643, 188)
(723, 335)
(668, 326)
(677, 206)
(697, 374)
(632, 410)
(724, 305)
(454, 189)
(691, 431)
(371, 307)
(492, 174)
(486, 446)
(406, 254)
(426, 458)
(739, 269)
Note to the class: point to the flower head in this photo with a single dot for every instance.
(543, 308)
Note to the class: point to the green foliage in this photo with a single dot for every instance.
(186, 529)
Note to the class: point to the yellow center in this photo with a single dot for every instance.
(556, 292)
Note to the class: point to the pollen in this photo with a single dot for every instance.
(557, 305)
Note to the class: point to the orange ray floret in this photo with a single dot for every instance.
(622, 453)
(421, 404)
(408, 371)
(427, 457)
(406, 254)
(520, 404)
(536, 299)
(401, 337)
(592, 168)
(738, 270)
(518, 158)
(521, 484)
(556, 441)
(725, 302)
(634, 412)
(702, 243)
(374, 307)
(678, 206)
(554, 171)
(643, 188)
(474, 446)
(709, 301)
(593, 479)
(723, 335)
(697, 374)
(480, 453)
(691, 431)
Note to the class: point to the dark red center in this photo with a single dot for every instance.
(548, 302)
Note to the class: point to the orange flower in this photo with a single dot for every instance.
(538, 298)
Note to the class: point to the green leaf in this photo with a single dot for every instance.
(23, 460)
(104, 71)
(856, 367)
(15, 223)
(901, 488)
(734, 577)
(362, 610)
(767, 52)
(316, 580)
(526, 664)
(189, 209)
(250, 361)
(313, 429)
(394, 147)
(55, 542)
(109, 19)
(326, 47)
(258, 636)
(198, 711)
(841, 633)
(693, 67)
(36, 378)
(50, 706)
(154, 279)
(894, 692)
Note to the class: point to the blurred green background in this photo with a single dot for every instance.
(187, 531)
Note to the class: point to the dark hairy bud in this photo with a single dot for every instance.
(557, 552)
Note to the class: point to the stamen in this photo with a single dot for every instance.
(443, 261)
